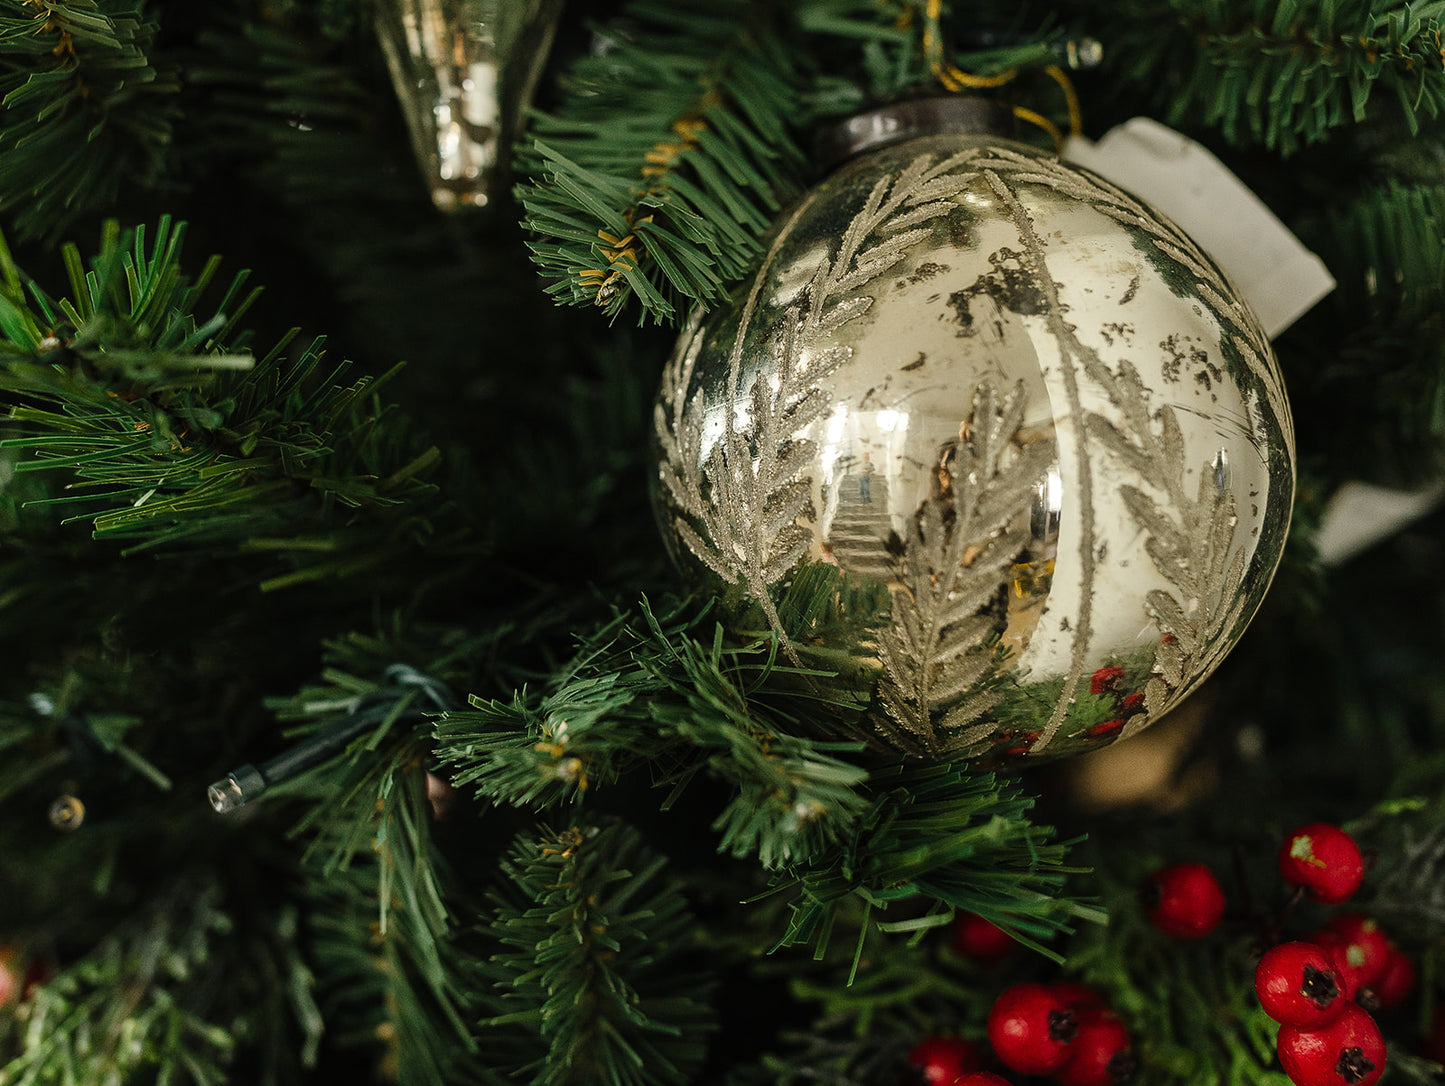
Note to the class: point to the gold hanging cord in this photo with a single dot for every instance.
(955, 79)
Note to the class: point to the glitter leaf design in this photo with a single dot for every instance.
(960, 546)
(1190, 540)
(741, 501)
(1239, 328)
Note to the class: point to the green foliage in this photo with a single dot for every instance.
(645, 689)
(866, 1017)
(385, 935)
(86, 110)
(178, 1019)
(1389, 253)
(375, 983)
(828, 821)
(1285, 74)
(936, 838)
(282, 106)
(678, 138)
(59, 723)
(595, 964)
(1190, 1005)
(1407, 883)
(187, 443)
(129, 317)
(1385, 247)
(668, 157)
(334, 19)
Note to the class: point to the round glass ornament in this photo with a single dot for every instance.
(1023, 407)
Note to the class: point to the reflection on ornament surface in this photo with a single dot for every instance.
(1029, 408)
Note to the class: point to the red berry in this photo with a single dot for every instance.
(1325, 860)
(981, 940)
(1396, 983)
(1362, 950)
(1333, 944)
(944, 1060)
(1184, 901)
(983, 1078)
(1298, 985)
(1103, 1052)
(1359, 950)
(1078, 995)
(1347, 1052)
(1032, 1029)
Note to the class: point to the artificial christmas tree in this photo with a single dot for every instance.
(351, 525)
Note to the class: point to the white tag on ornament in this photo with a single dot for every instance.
(1360, 515)
(1278, 277)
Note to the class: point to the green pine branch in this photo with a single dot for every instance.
(654, 179)
(935, 839)
(831, 1051)
(1371, 359)
(830, 821)
(665, 160)
(1387, 251)
(382, 902)
(84, 110)
(1284, 75)
(650, 690)
(397, 977)
(374, 989)
(1406, 890)
(596, 967)
(163, 999)
(865, 1019)
(141, 390)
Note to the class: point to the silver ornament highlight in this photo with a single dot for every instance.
(1018, 402)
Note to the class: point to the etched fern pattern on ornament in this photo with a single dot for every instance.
(742, 504)
(1189, 538)
(1239, 330)
(938, 653)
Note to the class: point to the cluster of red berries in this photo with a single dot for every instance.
(1324, 1038)
(1318, 988)
(1321, 988)
(1186, 901)
(1063, 1030)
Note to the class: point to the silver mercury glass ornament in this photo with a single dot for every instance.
(464, 71)
(1017, 403)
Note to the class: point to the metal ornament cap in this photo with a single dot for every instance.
(908, 119)
(1016, 409)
